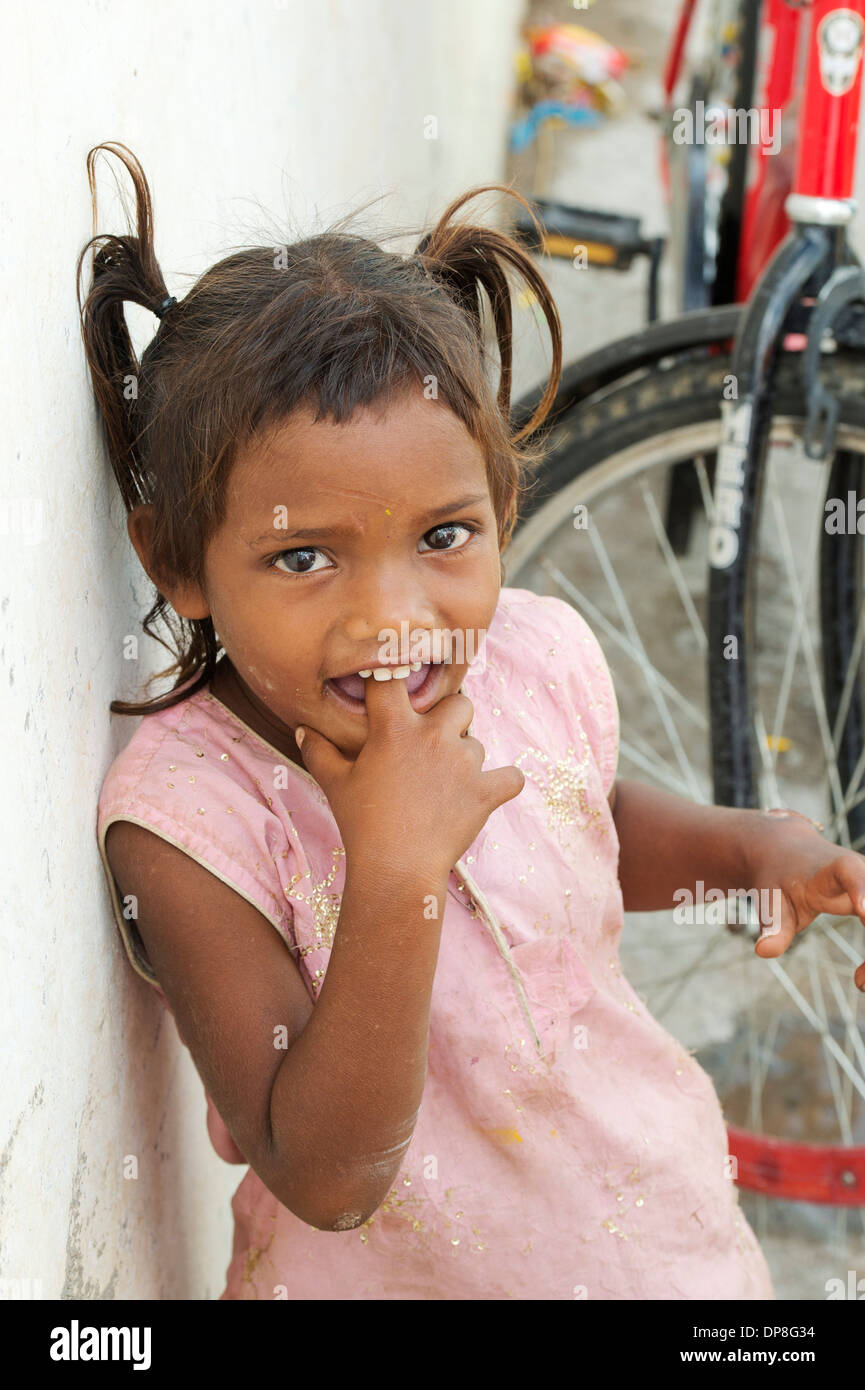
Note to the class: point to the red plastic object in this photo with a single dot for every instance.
(770, 176)
(826, 1173)
(674, 59)
(830, 119)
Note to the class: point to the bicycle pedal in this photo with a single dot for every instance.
(607, 239)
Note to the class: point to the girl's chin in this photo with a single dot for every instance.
(421, 699)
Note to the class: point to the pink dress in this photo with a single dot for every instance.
(567, 1146)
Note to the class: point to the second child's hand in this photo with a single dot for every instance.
(416, 792)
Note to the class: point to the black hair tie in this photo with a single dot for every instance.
(163, 308)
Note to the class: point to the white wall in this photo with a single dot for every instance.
(241, 113)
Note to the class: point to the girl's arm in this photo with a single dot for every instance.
(668, 843)
(321, 1100)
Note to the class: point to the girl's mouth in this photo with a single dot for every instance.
(422, 686)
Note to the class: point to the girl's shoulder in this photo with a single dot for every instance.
(196, 744)
(198, 777)
(540, 653)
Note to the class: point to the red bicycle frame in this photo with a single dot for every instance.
(809, 76)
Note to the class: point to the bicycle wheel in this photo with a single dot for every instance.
(782, 1039)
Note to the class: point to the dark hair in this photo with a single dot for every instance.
(332, 322)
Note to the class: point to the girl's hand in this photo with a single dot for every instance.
(415, 795)
(787, 853)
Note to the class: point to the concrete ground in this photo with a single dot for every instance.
(771, 1069)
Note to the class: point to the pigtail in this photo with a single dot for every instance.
(123, 268)
(467, 259)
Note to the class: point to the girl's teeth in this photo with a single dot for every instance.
(383, 673)
(386, 673)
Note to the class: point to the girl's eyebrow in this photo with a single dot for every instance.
(322, 532)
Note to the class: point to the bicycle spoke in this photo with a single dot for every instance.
(755, 1109)
(816, 1023)
(714, 968)
(733, 1061)
(835, 822)
(705, 487)
(655, 769)
(811, 666)
(851, 802)
(769, 1048)
(674, 567)
(831, 1065)
(853, 670)
(853, 1033)
(850, 1023)
(800, 619)
(647, 668)
(853, 786)
(775, 797)
(660, 1009)
(840, 941)
(594, 615)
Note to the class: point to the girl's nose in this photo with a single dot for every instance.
(390, 627)
(384, 604)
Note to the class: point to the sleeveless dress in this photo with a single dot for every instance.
(567, 1146)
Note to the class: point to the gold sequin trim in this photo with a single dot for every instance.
(323, 903)
(563, 787)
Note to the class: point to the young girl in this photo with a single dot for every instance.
(381, 888)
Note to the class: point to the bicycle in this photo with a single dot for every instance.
(683, 424)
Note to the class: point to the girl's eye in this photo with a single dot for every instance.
(443, 535)
(304, 556)
(302, 560)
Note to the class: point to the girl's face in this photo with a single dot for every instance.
(336, 539)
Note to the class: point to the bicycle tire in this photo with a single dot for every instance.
(626, 413)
